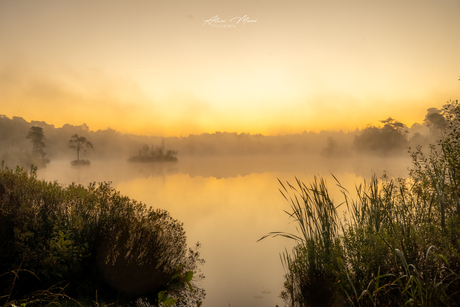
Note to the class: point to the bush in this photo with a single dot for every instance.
(86, 243)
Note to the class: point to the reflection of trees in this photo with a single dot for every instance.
(159, 169)
(118, 171)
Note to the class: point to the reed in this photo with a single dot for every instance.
(397, 244)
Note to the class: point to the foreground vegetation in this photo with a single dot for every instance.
(397, 244)
(88, 247)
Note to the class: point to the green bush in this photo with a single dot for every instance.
(58, 242)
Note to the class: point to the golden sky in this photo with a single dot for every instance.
(176, 67)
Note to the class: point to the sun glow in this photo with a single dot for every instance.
(150, 68)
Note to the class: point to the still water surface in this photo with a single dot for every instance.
(227, 204)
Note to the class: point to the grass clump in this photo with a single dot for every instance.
(86, 246)
(398, 243)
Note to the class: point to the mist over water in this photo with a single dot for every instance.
(227, 204)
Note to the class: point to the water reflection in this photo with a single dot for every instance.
(223, 167)
(228, 204)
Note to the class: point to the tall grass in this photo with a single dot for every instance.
(315, 253)
(398, 243)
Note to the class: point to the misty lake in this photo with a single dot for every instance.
(227, 204)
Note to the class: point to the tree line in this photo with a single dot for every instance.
(390, 138)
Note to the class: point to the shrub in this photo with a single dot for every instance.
(86, 243)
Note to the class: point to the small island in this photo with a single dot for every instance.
(154, 154)
(78, 143)
(80, 162)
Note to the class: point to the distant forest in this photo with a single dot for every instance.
(389, 138)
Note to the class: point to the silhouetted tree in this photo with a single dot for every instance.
(389, 139)
(435, 120)
(392, 125)
(37, 138)
(331, 148)
(78, 143)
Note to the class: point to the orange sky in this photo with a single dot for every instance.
(164, 68)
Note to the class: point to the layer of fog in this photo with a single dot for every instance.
(333, 148)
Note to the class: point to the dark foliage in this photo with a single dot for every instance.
(390, 139)
(37, 138)
(91, 242)
(154, 154)
(79, 143)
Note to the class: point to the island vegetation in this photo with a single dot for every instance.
(398, 242)
(79, 143)
(154, 154)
